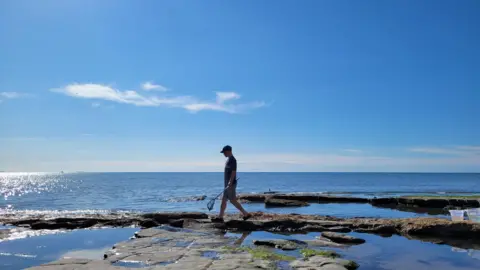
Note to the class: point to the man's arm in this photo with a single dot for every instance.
(232, 178)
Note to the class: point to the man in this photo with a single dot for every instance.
(230, 181)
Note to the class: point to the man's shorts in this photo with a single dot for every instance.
(231, 192)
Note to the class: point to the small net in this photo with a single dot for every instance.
(210, 204)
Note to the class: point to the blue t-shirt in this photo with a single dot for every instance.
(230, 166)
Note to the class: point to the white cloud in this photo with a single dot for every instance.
(225, 96)
(13, 95)
(95, 104)
(149, 86)
(189, 103)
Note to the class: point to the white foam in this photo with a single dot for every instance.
(20, 233)
(51, 214)
(17, 255)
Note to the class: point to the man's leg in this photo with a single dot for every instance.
(235, 203)
(232, 196)
(223, 206)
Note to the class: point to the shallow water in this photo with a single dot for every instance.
(345, 210)
(31, 251)
(393, 253)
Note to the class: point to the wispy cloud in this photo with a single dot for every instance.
(353, 150)
(14, 95)
(95, 104)
(277, 162)
(106, 92)
(469, 150)
(149, 86)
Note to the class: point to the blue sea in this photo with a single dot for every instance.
(61, 194)
(171, 191)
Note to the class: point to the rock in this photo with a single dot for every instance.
(384, 201)
(382, 230)
(270, 202)
(63, 264)
(320, 262)
(318, 198)
(463, 234)
(342, 238)
(188, 199)
(199, 198)
(64, 223)
(165, 217)
(339, 229)
(252, 197)
(4, 233)
(280, 243)
(400, 203)
(148, 223)
(69, 261)
(324, 242)
(176, 223)
(332, 267)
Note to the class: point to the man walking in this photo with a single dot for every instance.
(230, 181)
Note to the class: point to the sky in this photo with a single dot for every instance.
(342, 86)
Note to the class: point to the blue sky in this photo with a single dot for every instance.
(292, 86)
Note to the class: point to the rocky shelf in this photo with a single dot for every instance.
(418, 204)
(464, 234)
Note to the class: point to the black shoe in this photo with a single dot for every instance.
(217, 219)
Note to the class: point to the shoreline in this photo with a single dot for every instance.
(462, 234)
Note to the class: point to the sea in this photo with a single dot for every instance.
(25, 193)
(75, 194)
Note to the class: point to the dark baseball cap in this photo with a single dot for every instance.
(226, 148)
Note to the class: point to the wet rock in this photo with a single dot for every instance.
(4, 233)
(188, 199)
(176, 223)
(339, 229)
(324, 242)
(382, 230)
(166, 217)
(384, 201)
(271, 202)
(64, 223)
(304, 197)
(148, 223)
(342, 238)
(320, 262)
(281, 243)
(400, 203)
(253, 197)
(63, 264)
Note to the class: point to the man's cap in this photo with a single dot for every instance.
(226, 148)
